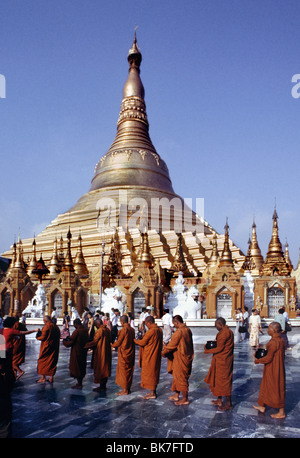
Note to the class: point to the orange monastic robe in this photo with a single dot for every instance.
(150, 357)
(19, 346)
(126, 356)
(78, 355)
(272, 388)
(181, 350)
(219, 376)
(101, 361)
(49, 350)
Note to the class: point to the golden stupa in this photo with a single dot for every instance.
(128, 178)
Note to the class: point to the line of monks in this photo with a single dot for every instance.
(179, 353)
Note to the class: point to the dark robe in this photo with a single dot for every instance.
(78, 356)
(19, 346)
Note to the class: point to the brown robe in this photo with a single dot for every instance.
(101, 359)
(219, 376)
(181, 351)
(78, 356)
(150, 357)
(126, 356)
(272, 388)
(19, 346)
(49, 351)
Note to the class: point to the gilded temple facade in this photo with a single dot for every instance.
(132, 230)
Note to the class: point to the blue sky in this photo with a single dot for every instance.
(217, 77)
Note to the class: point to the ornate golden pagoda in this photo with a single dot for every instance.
(254, 259)
(130, 172)
(225, 282)
(275, 287)
(275, 262)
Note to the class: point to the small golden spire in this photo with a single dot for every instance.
(145, 257)
(275, 261)
(80, 266)
(256, 258)
(226, 257)
(55, 267)
(68, 263)
(33, 260)
(287, 255)
(179, 264)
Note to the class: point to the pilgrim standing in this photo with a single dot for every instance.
(254, 328)
(167, 326)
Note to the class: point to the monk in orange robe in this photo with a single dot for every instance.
(49, 351)
(19, 349)
(150, 357)
(219, 376)
(180, 354)
(272, 388)
(101, 359)
(126, 355)
(78, 355)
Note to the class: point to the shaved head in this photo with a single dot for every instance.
(275, 326)
(149, 319)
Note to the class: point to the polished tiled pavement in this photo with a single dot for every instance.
(58, 411)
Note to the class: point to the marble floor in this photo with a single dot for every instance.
(57, 411)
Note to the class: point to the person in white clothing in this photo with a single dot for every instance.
(167, 323)
(114, 325)
(54, 315)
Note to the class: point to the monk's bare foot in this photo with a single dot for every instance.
(41, 380)
(123, 393)
(217, 402)
(182, 402)
(278, 415)
(259, 408)
(225, 407)
(150, 396)
(50, 380)
(20, 375)
(174, 397)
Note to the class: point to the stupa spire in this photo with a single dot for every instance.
(132, 159)
(79, 263)
(255, 253)
(226, 257)
(275, 263)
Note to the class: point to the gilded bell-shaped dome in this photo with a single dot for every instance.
(132, 159)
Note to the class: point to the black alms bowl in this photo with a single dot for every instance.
(260, 353)
(211, 344)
